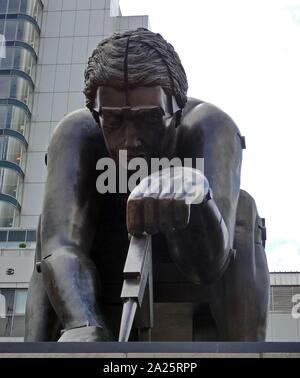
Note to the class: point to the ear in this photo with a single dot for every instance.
(175, 109)
(96, 116)
(178, 115)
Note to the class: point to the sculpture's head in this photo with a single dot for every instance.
(136, 83)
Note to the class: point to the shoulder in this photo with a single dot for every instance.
(199, 114)
(78, 130)
(78, 121)
(203, 125)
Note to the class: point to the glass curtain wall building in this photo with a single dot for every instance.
(47, 47)
(20, 22)
(41, 79)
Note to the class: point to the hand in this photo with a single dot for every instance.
(161, 202)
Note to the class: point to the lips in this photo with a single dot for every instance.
(130, 155)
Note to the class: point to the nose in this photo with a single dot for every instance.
(131, 137)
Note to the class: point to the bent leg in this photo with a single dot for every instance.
(41, 321)
(239, 301)
(69, 224)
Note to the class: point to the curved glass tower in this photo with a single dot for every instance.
(41, 80)
(20, 24)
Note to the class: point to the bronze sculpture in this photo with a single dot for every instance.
(136, 101)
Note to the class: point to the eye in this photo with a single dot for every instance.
(154, 117)
(149, 118)
(140, 118)
(112, 121)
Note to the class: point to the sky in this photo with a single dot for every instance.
(244, 57)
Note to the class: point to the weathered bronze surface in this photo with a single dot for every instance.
(210, 254)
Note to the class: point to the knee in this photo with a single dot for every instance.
(62, 258)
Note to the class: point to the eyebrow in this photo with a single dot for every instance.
(129, 109)
(134, 108)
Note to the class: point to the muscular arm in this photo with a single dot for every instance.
(202, 249)
(68, 222)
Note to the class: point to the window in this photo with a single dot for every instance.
(12, 312)
(281, 298)
(3, 6)
(5, 82)
(31, 236)
(24, 6)
(16, 87)
(12, 238)
(3, 236)
(10, 28)
(21, 30)
(1, 26)
(13, 6)
(32, 8)
(13, 117)
(7, 62)
(18, 236)
(3, 148)
(18, 58)
(27, 33)
(3, 115)
(9, 296)
(21, 90)
(8, 214)
(20, 301)
(2, 306)
(24, 61)
(11, 183)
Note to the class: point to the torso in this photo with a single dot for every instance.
(111, 244)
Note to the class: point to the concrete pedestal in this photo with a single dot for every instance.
(150, 350)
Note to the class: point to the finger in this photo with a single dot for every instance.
(165, 215)
(150, 210)
(181, 214)
(135, 224)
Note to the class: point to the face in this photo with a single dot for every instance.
(138, 121)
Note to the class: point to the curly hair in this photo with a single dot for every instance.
(133, 59)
